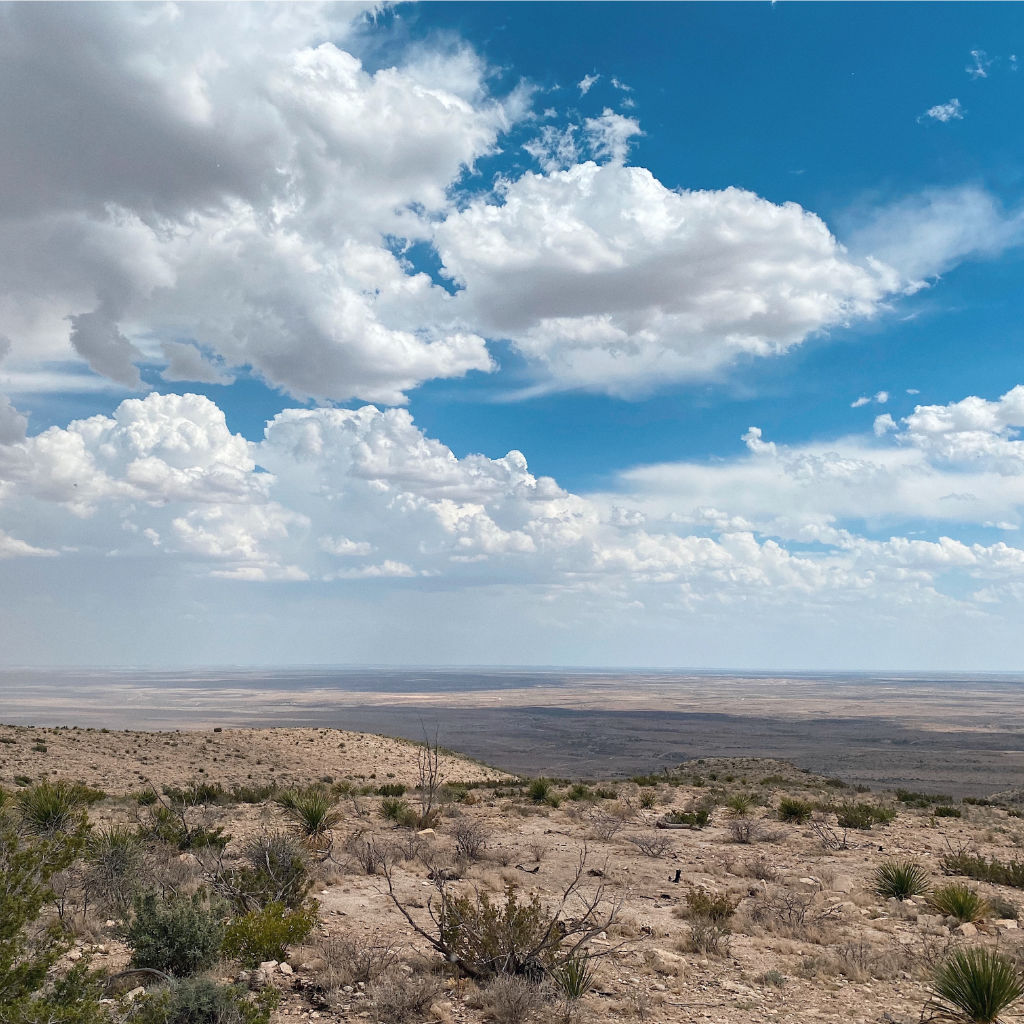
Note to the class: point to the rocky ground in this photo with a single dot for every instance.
(807, 940)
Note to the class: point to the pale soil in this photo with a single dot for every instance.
(856, 958)
(121, 762)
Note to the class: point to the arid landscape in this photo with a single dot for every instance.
(721, 889)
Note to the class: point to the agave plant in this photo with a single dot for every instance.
(49, 808)
(313, 813)
(900, 879)
(960, 901)
(974, 986)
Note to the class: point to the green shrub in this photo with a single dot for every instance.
(399, 812)
(146, 797)
(574, 976)
(1003, 908)
(114, 857)
(739, 804)
(266, 934)
(697, 818)
(39, 748)
(174, 934)
(863, 815)
(715, 907)
(273, 868)
(203, 1001)
(49, 808)
(960, 901)
(491, 937)
(314, 814)
(976, 985)
(175, 828)
(196, 793)
(960, 862)
(794, 810)
(579, 791)
(946, 811)
(900, 879)
(912, 798)
(648, 799)
(539, 790)
(27, 950)
(391, 789)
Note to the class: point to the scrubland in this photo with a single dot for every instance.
(276, 875)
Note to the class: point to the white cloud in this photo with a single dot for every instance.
(186, 362)
(979, 65)
(944, 112)
(610, 134)
(928, 234)
(228, 178)
(606, 279)
(12, 422)
(586, 83)
(882, 397)
(857, 403)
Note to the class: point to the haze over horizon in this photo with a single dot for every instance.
(508, 334)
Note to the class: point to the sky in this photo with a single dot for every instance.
(612, 334)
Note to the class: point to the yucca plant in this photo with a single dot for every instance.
(960, 901)
(574, 977)
(739, 804)
(793, 809)
(314, 814)
(900, 879)
(50, 808)
(974, 986)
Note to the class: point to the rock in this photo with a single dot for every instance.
(426, 832)
(967, 929)
(74, 954)
(268, 965)
(134, 994)
(1006, 924)
(313, 965)
(109, 924)
(259, 980)
(286, 969)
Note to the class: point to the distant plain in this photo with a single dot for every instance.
(959, 734)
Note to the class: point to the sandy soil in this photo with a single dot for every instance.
(846, 955)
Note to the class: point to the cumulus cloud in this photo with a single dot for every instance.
(586, 83)
(229, 178)
(609, 280)
(944, 112)
(12, 423)
(610, 134)
(186, 362)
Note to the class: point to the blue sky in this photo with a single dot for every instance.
(737, 285)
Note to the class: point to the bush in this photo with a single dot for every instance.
(697, 818)
(391, 789)
(273, 869)
(863, 815)
(945, 811)
(960, 901)
(175, 934)
(900, 879)
(114, 856)
(794, 810)
(266, 934)
(976, 985)
(50, 807)
(739, 804)
(575, 976)
(539, 790)
(314, 815)
(175, 827)
(203, 1001)
(351, 959)
(28, 951)
(960, 862)
(579, 791)
(470, 839)
(399, 812)
(510, 1000)
(401, 999)
(717, 907)
(746, 830)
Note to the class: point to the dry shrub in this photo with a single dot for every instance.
(470, 839)
(350, 959)
(509, 1000)
(400, 998)
(653, 844)
(792, 915)
(760, 867)
(370, 853)
(746, 830)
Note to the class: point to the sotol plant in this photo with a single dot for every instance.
(314, 815)
(974, 986)
(900, 879)
(960, 901)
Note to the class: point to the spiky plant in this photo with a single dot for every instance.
(960, 901)
(900, 879)
(795, 810)
(974, 986)
(575, 976)
(739, 804)
(50, 808)
(314, 815)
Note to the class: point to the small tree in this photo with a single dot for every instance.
(428, 770)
